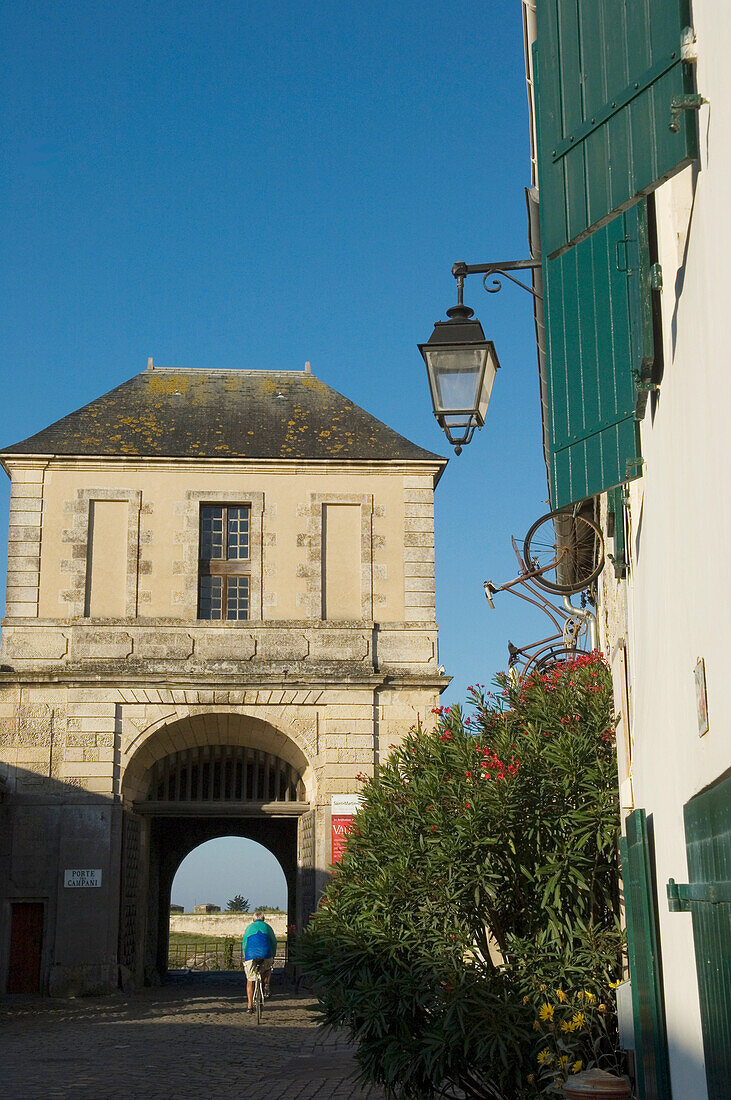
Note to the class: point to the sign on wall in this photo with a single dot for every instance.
(344, 808)
(701, 698)
(79, 878)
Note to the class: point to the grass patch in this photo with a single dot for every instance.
(194, 938)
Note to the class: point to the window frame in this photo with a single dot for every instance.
(224, 567)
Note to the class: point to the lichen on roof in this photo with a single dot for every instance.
(224, 414)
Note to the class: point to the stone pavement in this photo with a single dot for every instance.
(189, 1039)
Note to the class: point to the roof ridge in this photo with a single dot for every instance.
(222, 370)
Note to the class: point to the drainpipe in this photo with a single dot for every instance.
(588, 617)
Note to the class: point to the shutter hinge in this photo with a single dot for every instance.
(688, 102)
(619, 562)
(656, 277)
(643, 385)
(681, 896)
(688, 45)
(631, 464)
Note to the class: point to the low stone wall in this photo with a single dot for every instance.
(224, 924)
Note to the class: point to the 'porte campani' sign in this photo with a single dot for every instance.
(82, 878)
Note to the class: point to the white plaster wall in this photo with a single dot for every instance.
(680, 530)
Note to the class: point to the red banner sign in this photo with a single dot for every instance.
(341, 826)
(344, 809)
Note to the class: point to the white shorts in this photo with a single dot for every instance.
(252, 965)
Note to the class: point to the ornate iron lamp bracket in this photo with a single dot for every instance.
(503, 269)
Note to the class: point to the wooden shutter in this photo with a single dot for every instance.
(606, 73)
(708, 897)
(615, 528)
(653, 1074)
(599, 349)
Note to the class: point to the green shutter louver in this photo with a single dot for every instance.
(599, 348)
(653, 1072)
(608, 74)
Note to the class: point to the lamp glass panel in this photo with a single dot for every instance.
(456, 374)
(484, 398)
(456, 420)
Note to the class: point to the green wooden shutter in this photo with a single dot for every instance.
(653, 1074)
(599, 348)
(708, 897)
(606, 75)
(615, 524)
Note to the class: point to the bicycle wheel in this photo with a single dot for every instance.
(258, 999)
(549, 658)
(569, 548)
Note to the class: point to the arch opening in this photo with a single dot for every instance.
(195, 778)
(216, 872)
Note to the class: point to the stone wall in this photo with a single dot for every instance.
(224, 924)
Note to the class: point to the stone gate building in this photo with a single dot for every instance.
(220, 609)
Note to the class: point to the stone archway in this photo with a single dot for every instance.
(210, 726)
(215, 773)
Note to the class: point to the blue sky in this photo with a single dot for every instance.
(258, 184)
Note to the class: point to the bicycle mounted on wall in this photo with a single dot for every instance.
(563, 553)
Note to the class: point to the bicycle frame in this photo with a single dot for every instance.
(524, 576)
(570, 622)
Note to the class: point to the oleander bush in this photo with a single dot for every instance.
(469, 939)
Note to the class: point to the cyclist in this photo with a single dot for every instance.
(259, 946)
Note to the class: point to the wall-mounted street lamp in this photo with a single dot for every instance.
(460, 363)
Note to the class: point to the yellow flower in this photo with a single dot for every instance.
(602, 1008)
(578, 1020)
(577, 1066)
(531, 1078)
(546, 1012)
(560, 995)
(526, 999)
(586, 995)
(613, 985)
(564, 1059)
(545, 1057)
(536, 1025)
(566, 1026)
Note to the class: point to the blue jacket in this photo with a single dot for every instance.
(259, 941)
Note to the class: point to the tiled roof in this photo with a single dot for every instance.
(224, 414)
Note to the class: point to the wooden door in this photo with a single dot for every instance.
(26, 941)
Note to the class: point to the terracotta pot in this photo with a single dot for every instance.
(596, 1083)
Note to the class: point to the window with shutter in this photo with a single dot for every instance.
(608, 73)
(599, 349)
(708, 897)
(653, 1073)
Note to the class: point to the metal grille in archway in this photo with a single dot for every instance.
(234, 774)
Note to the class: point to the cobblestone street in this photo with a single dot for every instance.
(191, 1038)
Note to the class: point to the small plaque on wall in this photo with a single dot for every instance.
(701, 699)
(82, 878)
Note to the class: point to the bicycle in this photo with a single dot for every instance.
(258, 991)
(562, 553)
